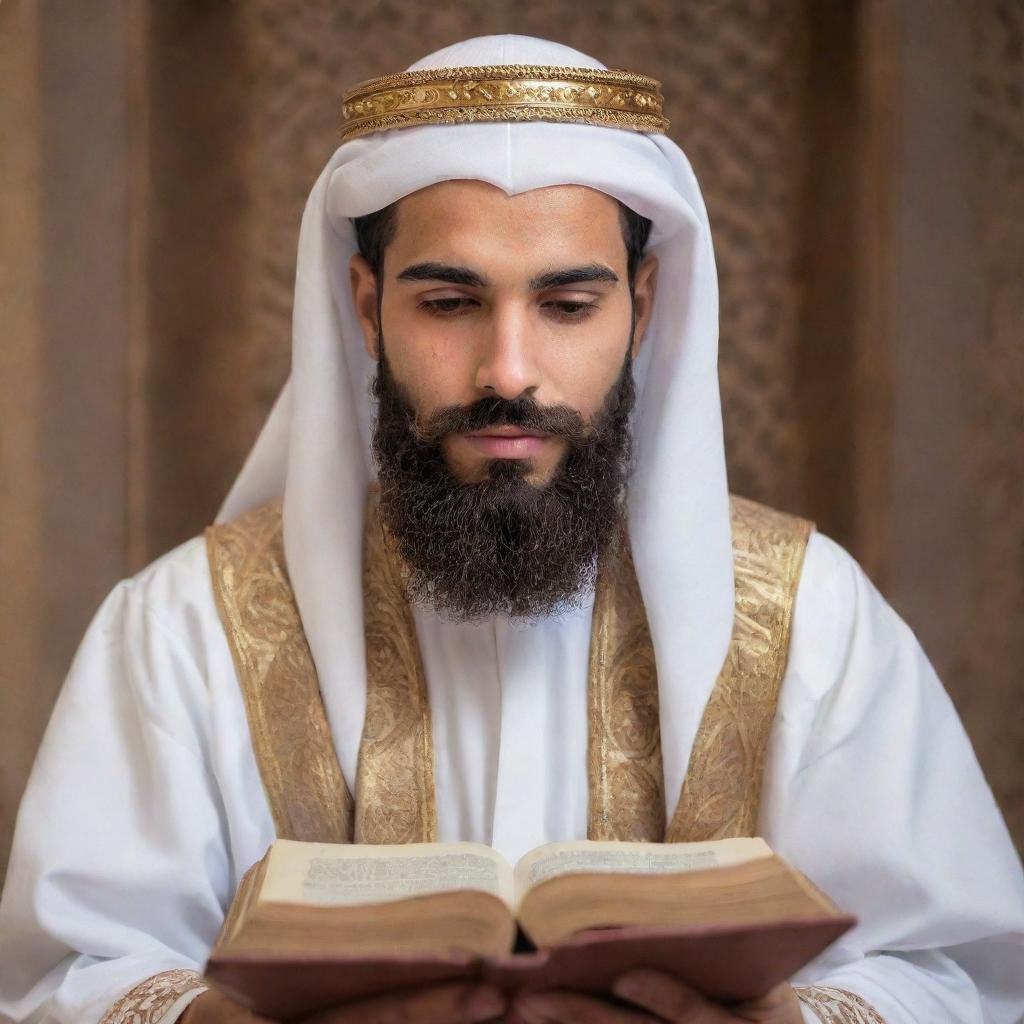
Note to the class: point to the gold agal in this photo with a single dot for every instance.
(504, 92)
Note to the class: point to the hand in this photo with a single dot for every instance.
(660, 999)
(440, 1004)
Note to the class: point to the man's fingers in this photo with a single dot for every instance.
(554, 1007)
(441, 1004)
(668, 997)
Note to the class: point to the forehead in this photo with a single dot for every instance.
(468, 215)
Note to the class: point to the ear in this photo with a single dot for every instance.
(644, 287)
(364, 298)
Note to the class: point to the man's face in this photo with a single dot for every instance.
(488, 295)
(504, 389)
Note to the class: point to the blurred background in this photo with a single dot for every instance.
(863, 165)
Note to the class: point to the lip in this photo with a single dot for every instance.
(506, 442)
(505, 430)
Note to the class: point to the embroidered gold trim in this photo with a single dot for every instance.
(838, 1006)
(291, 738)
(395, 778)
(511, 92)
(307, 793)
(150, 1001)
(722, 790)
(395, 799)
(624, 766)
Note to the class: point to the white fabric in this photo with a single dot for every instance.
(316, 446)
(509, 702)
(146, 807)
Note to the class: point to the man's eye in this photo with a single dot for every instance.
(448, 306)
(572, 310)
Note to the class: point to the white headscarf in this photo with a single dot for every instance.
(315, 445)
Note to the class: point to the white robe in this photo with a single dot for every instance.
(145, 805)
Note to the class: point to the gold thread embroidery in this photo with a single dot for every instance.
(721, 794)
(150, 1000)
(837, 1005)
(624, 748)
(722, 790)
(513, 92)
(395, 778)
(291, 738)
(308, 796)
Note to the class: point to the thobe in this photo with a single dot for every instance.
(145, 806)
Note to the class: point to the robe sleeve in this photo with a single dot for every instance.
(873, 790)
(119, 873)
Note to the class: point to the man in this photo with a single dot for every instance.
(546, 623)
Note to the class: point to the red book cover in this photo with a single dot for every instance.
(726, 962)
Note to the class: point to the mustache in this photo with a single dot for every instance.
(524, 412)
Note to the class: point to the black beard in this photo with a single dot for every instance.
(502, 545)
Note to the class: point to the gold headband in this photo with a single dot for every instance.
(504, 92)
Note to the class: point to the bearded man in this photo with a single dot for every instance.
(506, 598)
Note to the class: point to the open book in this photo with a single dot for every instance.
(317, 924)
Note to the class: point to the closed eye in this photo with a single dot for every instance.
(564, 310)
(447, 306)
(570, 311)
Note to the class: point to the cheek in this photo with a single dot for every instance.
(431, 370)
(585, 373)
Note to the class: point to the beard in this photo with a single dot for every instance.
(501, 545)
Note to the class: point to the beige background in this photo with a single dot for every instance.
(863, 164)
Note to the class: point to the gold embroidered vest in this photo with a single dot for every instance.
(394, 786)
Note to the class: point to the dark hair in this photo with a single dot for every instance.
(375, 232)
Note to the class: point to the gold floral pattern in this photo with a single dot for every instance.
(722, 790)
(626, 791)
(512, 92)
(395, 800)
(291, 738)
(838, 1006)
(721, 794)
(395, 777)
(152, 1001)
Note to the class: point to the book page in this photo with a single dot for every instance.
(589, 857)
(325, 873)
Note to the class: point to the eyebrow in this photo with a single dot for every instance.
(574, 275)
(432, 271)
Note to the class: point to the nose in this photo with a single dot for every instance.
(507, 367)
